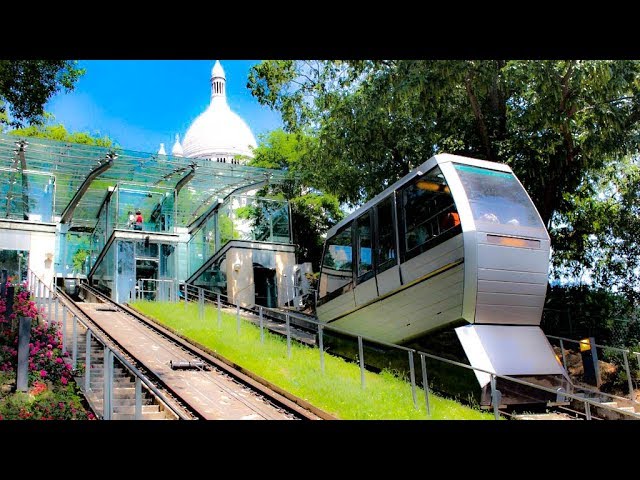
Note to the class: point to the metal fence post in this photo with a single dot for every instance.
(200, 303)
(495, 397)
(238, 318)
(219, 313)
(628, 370)
(321, 341)
(261, 325)
(413, 379)
(138, 412)
(87, 362)
(64, 329)
(287, 321)
(55, 300)
(186, 295)
(587, 410)
(74, 340)
(39, 295)
(425, 383)
(564, 356)
(49, 305)
(361, 356)
(106, 403)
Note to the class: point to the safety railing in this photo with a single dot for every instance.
(163, 290)
(626, 353)
(204, 296)
(75, 331)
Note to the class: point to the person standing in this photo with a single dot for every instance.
(139, 220)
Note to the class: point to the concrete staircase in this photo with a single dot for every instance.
(123, 393)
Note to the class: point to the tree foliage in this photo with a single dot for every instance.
(312, 211)
(551, 121)
(59, 132)
(563, 126)
(27, 85)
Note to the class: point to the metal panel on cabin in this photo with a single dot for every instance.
(365, 292)
(388, 280)
(337, 306)
(512, 276)
(431, 260)
(508, 314)
(485, 286)
(512, 258)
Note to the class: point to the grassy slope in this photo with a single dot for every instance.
(337, 391)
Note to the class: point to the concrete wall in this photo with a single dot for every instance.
(240, 286)
(240, 281)
(285, 262)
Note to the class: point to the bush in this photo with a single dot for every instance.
(53, 394)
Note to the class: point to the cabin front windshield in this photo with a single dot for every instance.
(497, 198)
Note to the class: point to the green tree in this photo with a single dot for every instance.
(563, 126)
(596, 239)
(312, 211)
(551, 121)
(60, 133)
(27, 85)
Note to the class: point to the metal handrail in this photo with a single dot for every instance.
(105, 343)
(595, 345)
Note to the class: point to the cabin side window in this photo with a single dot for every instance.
(386, 248)
(365, 252)
(336, 263)
(429, 213)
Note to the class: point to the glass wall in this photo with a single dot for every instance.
(15, 262)
(103, 276)
(27, 195)
(128, 262)
(240, 217)
(73, 254)
(155, 204)
(126, 274)
(214, 277)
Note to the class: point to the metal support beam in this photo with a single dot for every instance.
(105, 164)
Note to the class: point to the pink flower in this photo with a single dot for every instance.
(43, 373)
(59, 360)
(64, 380)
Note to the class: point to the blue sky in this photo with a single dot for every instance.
(141, 103)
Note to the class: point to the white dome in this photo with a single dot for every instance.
(218, 132)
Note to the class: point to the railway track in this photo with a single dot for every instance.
(214, 389)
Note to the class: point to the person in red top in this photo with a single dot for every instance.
(138, 225)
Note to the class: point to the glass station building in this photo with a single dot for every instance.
(138, 224)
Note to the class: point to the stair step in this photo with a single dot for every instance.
(146, 416)
(131, 409)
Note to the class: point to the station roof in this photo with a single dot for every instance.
(72, 163)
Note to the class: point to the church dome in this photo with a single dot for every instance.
(218, 133)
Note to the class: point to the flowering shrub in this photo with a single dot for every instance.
(52, 395)
(43, 402)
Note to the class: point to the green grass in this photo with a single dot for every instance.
(338, 391)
